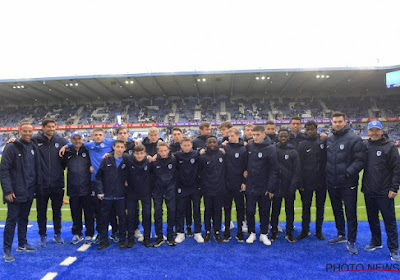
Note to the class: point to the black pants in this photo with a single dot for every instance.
(387, 209)
(264, 205)
(106, 208)
(306, 198)
(79, 204)
(17, 213)
(56, 195)
(133, 206)
(213, 210)
(189, 217)
(238, 196)
(170, 201)
(348, 196)
(289, 210)
(185, 203)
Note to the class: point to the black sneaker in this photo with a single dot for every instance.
(319, 235)
(227, 236)
(289, 237)
(189, 232)
(274, 236)
(159, 241)
(131, 243)
(146, 243)
(207, 237)
(218, 237)
(122, 244)
(103, 245)
(239, 236)
(303, 234)
(171, 241)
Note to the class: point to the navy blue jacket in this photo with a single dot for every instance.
(151, 148)
(312, 152)
(295, 140)
(199, 142)
(187, 172)
(262, 168)
(212, 173)
(346, 156)
(382, 170)
(273, 137)
(235, 164)
(110, 180)
(139, 183)
(174, 147)
(13, 172)
(289, 177)
(50, 161)
(164, 175)
(78, 175)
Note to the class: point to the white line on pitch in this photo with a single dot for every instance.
(50, 276)
(68, 261)
(83, 248)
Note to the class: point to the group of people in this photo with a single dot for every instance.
(107, 178)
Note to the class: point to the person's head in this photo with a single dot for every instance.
(311, 129)
(49, 127)
(177, 134)
(338, 121)
(153, 134)
(283, 136)
(211, 142)
(163, 149)
(186, 144)
(375, 130)
(77, 140)
(224, 127)
(119, 148)
(248, 130)
(139, 152)
(25, 131)
(270, 127)
(98, 135)
(295, 125)
(205, 128)
(122, 133)
(258, 134)
(233, 135)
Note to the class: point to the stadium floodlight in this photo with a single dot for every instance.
(204, 79)
(268, 78)
(22, 86)
(327, 76)
(198, 80)
(317, 76)
(71, 84)
(66, 85)
(14, 87)
(126, 82)
(76, 84)
(131, 82)
(262, 78)
(257, 78)
(322, 76)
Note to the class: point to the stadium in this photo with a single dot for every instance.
(168, 87)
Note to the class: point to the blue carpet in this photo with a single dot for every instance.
(306, 259)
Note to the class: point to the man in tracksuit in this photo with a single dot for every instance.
(20, 180)
(270, 130)
(49, 144)
(188, 190)
(248, 133)
(151, 141)
(296, 136)
(380, 185)
(200, 141)
(235, 164)
(223, 129)
(346, 155)
(175, 145)
(164, 188)
(111, 183)
(262, 171)
(312, 152)
(288, 179)
(77, 160)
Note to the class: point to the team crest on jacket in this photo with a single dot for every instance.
(378, 153)
(286, 157)
(57, 145)
(220, 159)
(237, 155)
(130, 152)
(32, 152)
(123, 166)
(179, 190)
(322, 146)
(341, 146)
(259, 155)
(102, 145)
(83, 154)
(192, 160)
(145, 168)
(170, 166)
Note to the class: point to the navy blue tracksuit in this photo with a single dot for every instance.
(151, 147)
(199, 142)
(381, 175)
(164, 189)
(312, 152)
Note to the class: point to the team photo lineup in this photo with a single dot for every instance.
(118, 184)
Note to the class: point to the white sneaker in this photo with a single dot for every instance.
(139, 235)
(179, 237)
(244, 227)
(251, 238)
(279, 228)
(198, 238)
(264, 239)
(231, 226)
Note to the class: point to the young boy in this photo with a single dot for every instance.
(248, 133)
(261, 183)
(223, 129)
(164, 190)
(288, 179)
(188, 190)
(312, 153)
(151, 141)
(212, 176)
(111, 178)
(175, 145)
(270, 130)
(139, 188)
(200, 141)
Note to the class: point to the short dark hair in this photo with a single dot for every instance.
(259, 128)
(311, 123)
(228, 125)
(47, 121)
(295, 119)
(270, 122)
(118, 141)
(121, 128)
(283, 129)
(186, 139)
(139, 148)
(338, 114)
(211, 136)
(177, 129)
(204, 125)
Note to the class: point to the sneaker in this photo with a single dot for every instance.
(159, 241)
(217, 237)
(274, 236)
(244, 227)
(372, 247)
(8, 257)
(138, 235)
(146, 243)
(171, 241)
(96, 239)
(131, 243)
(264, 239)
(227, 236)
(239, 236)
(280, 229)
(58, 239)
(114, 237)
(180, 237)
(289, 237)
(303, 234)
(207, 237)
(252, 237)
(231, 226)
(122, 244)
(26, 248)
(198, 238)
(88, 240)
(338, 239)
(43, 241)
(394, 256)
(319, 235)
(76, 239)
(189, 232)
(351, 247)
(103, 245)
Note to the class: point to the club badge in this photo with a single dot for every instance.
(378, 153)
(170, 166)
(32, 152)
(341, 147)
(322, 146)
(259, 155)
(102, 145)
(286, 157)
(220, 160)
(237, 155)
(192, 160)
(145, 168)
(57, 145)
(83, 154)
(123, 166)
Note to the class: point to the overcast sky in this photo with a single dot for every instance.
(77, 37)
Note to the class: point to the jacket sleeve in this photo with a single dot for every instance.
(296, 179)
(394, 165)
(99, 178)
(359, 158)
(273, 172)
(7, 163)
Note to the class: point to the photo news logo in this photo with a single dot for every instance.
(358, 267)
